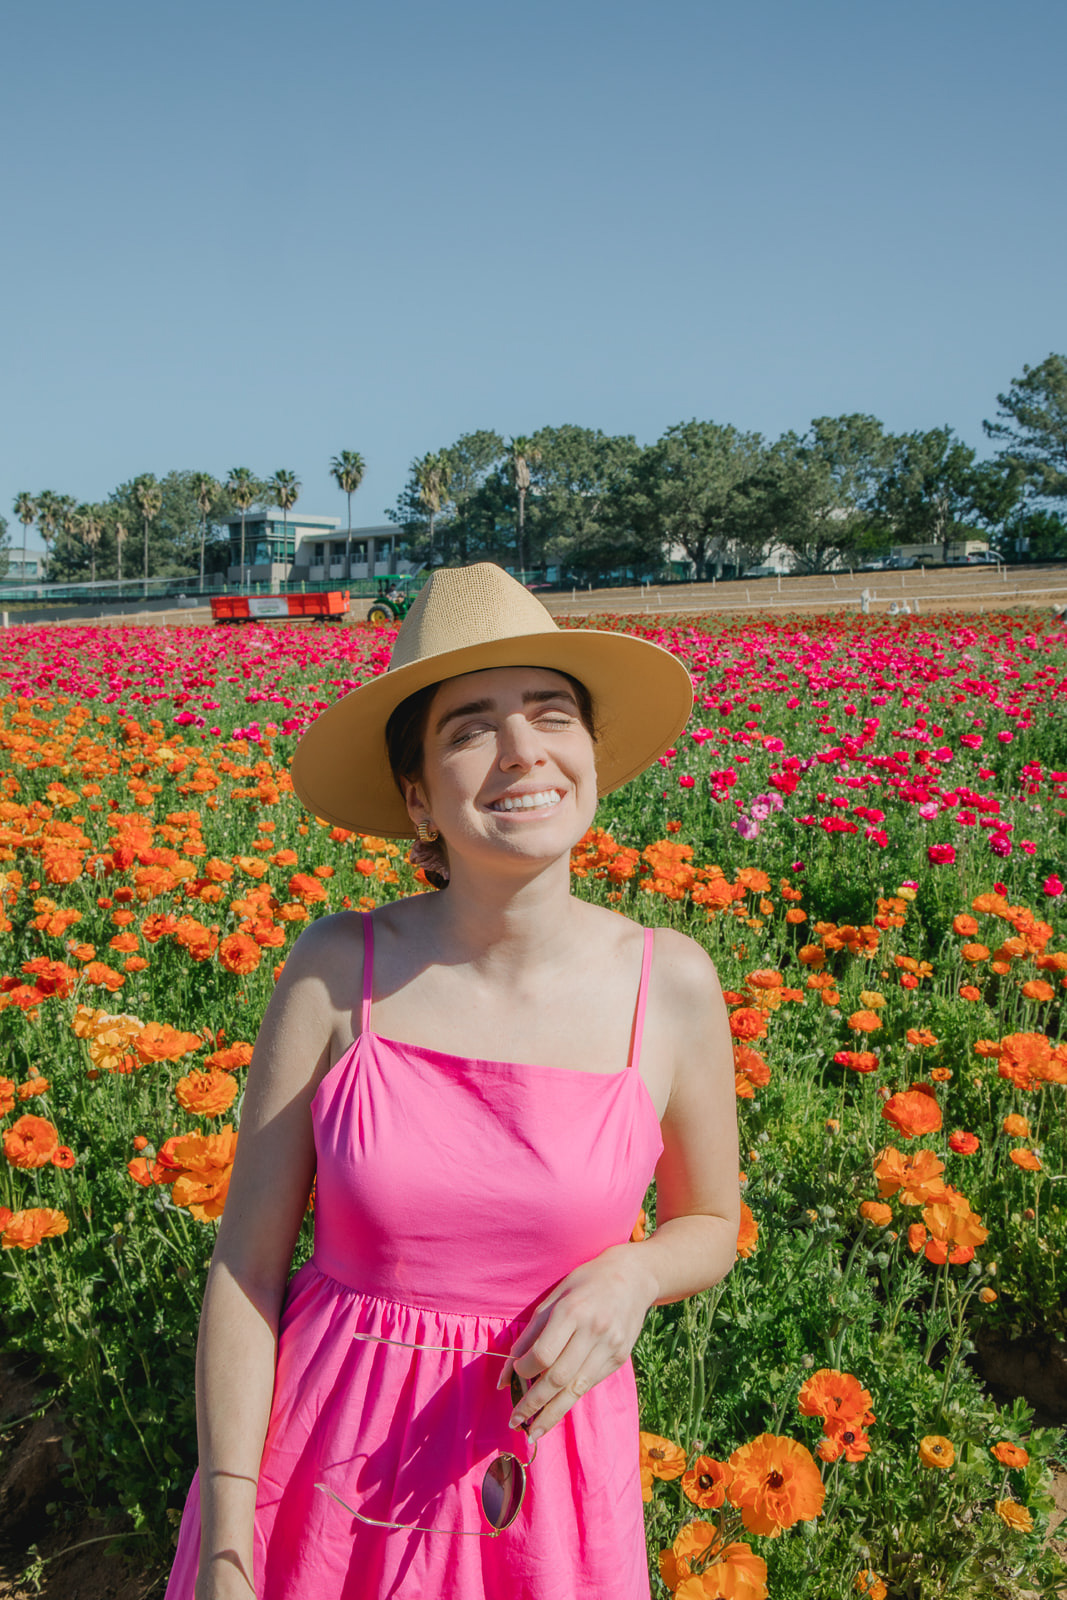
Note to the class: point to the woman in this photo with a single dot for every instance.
(481, 1082)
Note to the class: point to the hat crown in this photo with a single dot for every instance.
(459, 607)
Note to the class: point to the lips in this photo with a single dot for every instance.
(527, 802)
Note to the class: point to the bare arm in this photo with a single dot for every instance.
(268, 1195)
(585, 1329)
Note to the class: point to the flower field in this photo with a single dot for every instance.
(865, 824)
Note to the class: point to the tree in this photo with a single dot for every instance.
(433, 474)
(87, 521)
(1034, 429)
(933, 491)
(685, 491)
(285, 491)
(470, 463)
(120, 536)
(26, 511)
(207, 490)
(577, 514)
(49, 517)
(521, 452)
(347, 470)
(244, 490)
(818, 494)
(149, 499)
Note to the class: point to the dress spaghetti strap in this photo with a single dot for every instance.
(639, 1010)
(368, 970)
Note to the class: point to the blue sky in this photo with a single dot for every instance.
(257, 234)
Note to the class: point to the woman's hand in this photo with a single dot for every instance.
(582, 1332)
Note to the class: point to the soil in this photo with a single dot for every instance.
(49, 1547)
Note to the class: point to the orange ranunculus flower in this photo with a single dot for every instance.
(7, 1096)
(1014, 1516)
(1023, 1057)
(864, 1021)
(936, 1451)
(964, 925)
(751, 1065)
(868, 1583)
(193, 936)
(953, 1224)
(240, 954)
(147, 1172)
(876, 1212)
(706, 1482)
(660, 1458)
(691, 1549)
(306, 889)
(969, 992)
(832, 1394)
(1017, 1126)
(1038, 989)
(1026, 1159)
(917, 1177)
(25, 1229)
(238, 1054)
(748, 1232)
(102, 976)
(993, 905)
(917, 1237)
(921, 1036)
(765, 978)
(1054, 1070)
(913, 1113)
(963, 1143)
(206, 1094)
(748, 1023)
(974, 953)
(205, 1161)
(31, 1142)
(842, 1437)
(160, 1042)
(811, 955)
(639, 1231)
(734, 1573)
(774, 1483)
(1010, 1455)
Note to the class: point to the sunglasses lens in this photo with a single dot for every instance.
(503, 1487)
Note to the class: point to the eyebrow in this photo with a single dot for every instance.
(531, 697)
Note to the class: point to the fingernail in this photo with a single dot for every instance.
(517, 1421)
(533, 1434)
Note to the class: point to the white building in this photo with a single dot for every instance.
(300, 548)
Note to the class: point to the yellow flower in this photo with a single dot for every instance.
(936, 1451)
(1014, 1516)
(871, 998)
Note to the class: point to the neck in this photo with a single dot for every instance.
(503, 922)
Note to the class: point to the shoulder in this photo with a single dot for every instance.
(321, 980)
(683, 972)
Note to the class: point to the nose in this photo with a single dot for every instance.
(520, 745)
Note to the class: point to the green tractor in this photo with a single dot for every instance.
(393, 601)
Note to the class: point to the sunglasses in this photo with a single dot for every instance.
(503, 1487)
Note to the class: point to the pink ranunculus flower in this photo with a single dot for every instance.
(941, 855)
(1000, 844)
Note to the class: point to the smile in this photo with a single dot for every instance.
(527, 802)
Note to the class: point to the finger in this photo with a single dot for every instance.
(555, 1378)
(561, 1402)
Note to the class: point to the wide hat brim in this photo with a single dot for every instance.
(642, 696)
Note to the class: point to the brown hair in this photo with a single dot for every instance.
(405, 732)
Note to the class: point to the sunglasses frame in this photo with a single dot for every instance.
(506, 1461)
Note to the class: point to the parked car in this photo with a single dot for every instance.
(874, 566)
(902, 563)
(760, 572)
(982, 558)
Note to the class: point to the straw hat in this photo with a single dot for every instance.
(466, 619)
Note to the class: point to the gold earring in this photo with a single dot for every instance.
(427, 832)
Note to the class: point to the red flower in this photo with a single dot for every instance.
(941, 855)
(964, 1144)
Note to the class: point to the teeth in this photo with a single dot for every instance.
(528, 802)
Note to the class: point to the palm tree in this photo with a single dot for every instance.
(207, 490)
(285, 491)
(348, 469)
(26, 511)
(149, 497)
(87, 524)
(243, 490)
(520, 452)
(49, 515)
(120, 534)
(433, 474)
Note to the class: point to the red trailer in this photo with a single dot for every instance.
(327, 606)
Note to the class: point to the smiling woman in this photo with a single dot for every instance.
(481, 1084)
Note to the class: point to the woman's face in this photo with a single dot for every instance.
(508, 765)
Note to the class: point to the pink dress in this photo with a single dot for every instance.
(451, 1196)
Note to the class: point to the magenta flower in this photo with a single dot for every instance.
(941, 855)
